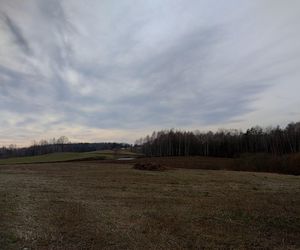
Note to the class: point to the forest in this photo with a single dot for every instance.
(223, 143)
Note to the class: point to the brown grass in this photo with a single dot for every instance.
(285, 164)
(89, 205)
(191, 162)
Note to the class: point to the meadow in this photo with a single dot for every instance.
(69, 156)
(101, 205)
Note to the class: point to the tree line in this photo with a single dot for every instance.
(223, 143)
(61, 144)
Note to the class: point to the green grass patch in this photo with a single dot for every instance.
(68, 156)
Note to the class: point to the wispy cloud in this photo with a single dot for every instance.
(17, 34)
(112, 68)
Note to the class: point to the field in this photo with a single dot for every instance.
(69, 156)
(284, 164)
(94, 205)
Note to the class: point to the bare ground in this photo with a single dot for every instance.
(89, 205)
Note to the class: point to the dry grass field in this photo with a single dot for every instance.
(93, 205)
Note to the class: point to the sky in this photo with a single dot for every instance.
(108, 70)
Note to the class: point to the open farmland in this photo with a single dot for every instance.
(93, 205)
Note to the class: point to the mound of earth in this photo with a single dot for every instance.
(149, 166)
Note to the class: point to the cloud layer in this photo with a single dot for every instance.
(111, 70)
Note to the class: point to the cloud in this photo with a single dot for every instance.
(109, 67)
(17, 34)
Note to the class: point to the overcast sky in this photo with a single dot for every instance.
(102, 70)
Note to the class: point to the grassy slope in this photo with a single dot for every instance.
(66, 156)
(84, 205)
(192, 162)
(285, 164)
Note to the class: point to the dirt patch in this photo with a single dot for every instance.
(149, 166)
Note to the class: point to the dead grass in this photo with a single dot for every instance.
(88, 205)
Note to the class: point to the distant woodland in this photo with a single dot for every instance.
(54, 145)
(223, 143)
